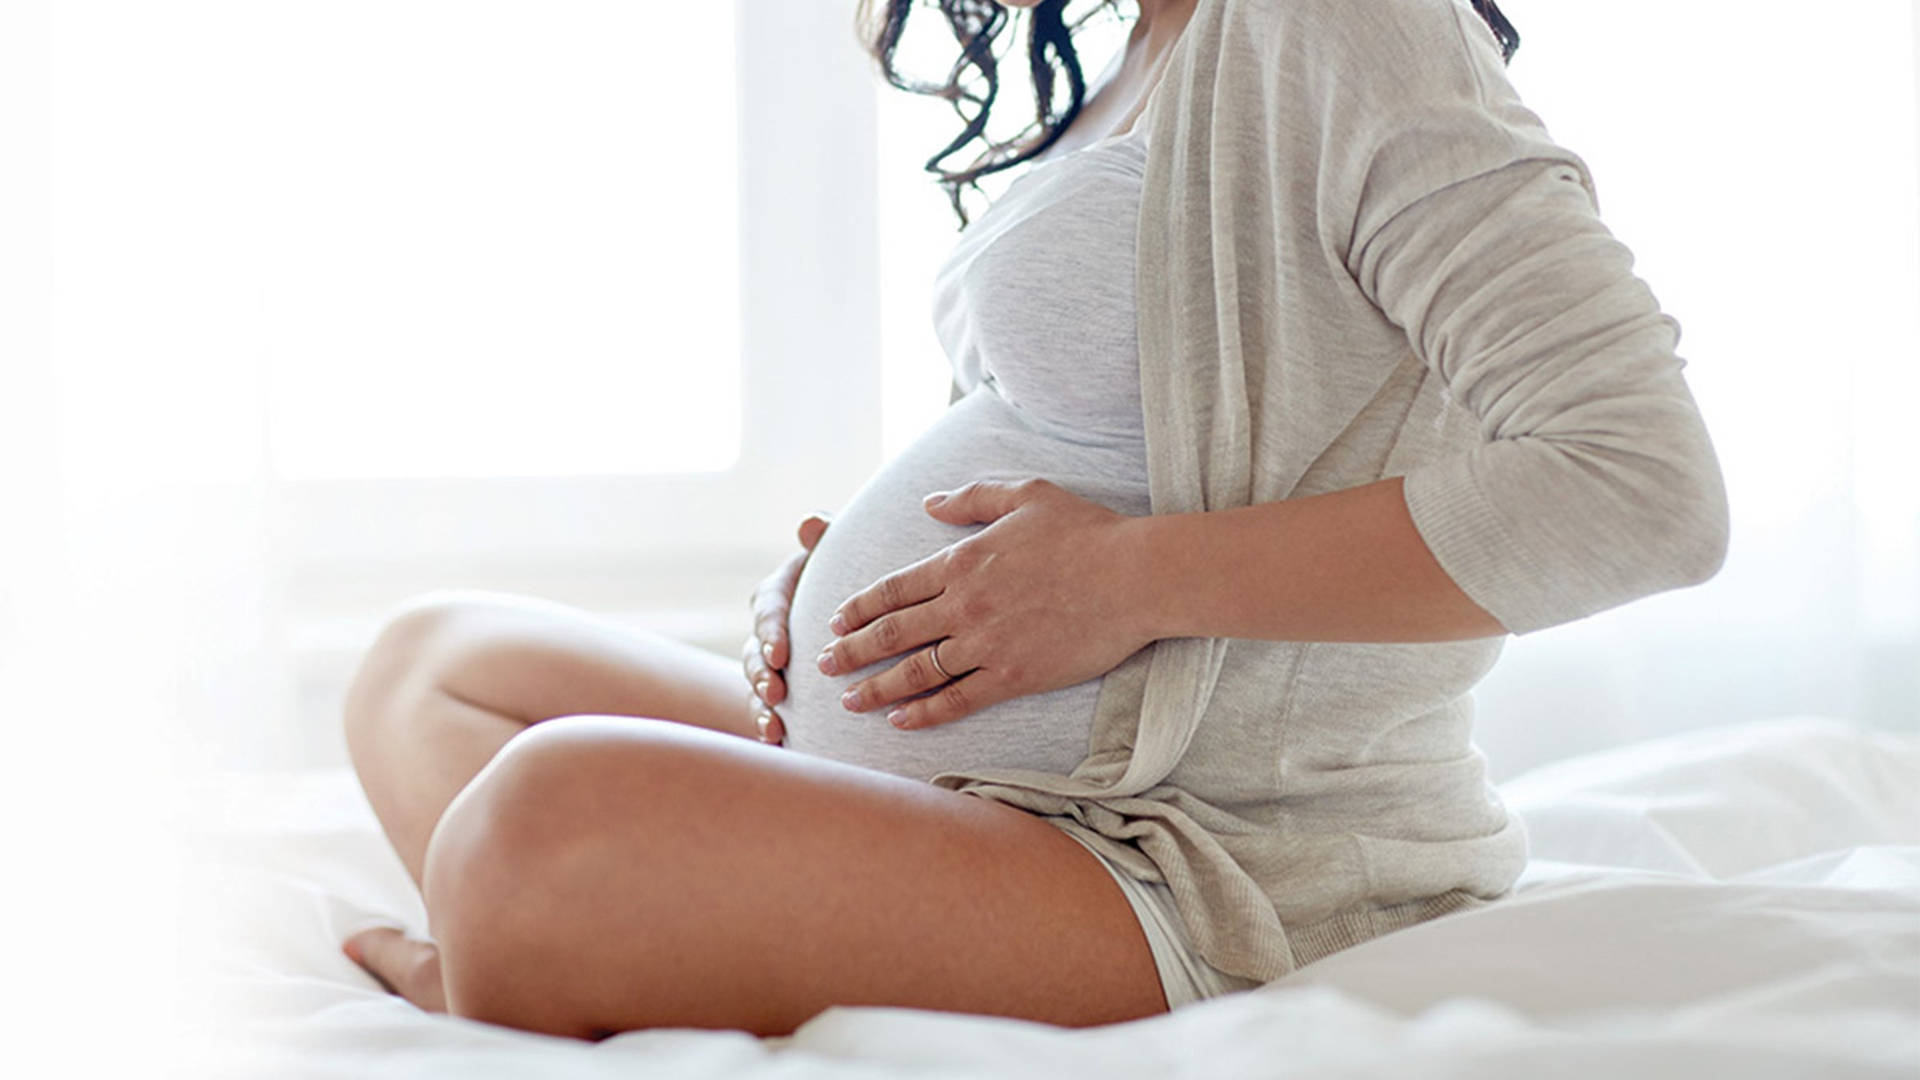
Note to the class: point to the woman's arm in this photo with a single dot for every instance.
(1343, 566)
(1594, 482)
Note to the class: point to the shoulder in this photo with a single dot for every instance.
(1342, 17)
(1365, 107)
(1352, 69)
(1360, 39)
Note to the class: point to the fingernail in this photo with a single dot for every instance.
(936, 498)
(837, 624)
(827, 666)
(897, 717)
(766, 650)
(760, 688)
(851, 700)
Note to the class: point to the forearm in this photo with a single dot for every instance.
(1343, 566)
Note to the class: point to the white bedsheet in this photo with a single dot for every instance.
(1738, 901)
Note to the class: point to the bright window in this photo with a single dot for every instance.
(460, 239)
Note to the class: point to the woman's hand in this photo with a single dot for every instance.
(1046, 596)
(765, 654)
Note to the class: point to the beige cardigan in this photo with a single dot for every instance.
(1360, 256)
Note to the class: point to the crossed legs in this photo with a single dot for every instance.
(602, 845)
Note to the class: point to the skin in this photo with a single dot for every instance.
(607, 835)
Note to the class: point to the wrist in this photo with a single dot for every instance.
(1144, 589)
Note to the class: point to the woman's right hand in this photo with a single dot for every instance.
(765, 655)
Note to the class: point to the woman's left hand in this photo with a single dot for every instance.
(1048, 595)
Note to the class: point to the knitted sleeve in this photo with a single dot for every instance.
(1594, 482)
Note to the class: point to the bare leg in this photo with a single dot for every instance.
(454, 676)
(606, 874)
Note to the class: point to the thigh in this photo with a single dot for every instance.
(531, 659)
(606, 875)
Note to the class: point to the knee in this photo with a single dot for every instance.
(482, 871)
(404, 659)
(507, 862)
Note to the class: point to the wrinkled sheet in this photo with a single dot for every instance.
(1739, 900)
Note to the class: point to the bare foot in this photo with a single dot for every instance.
(403, 965)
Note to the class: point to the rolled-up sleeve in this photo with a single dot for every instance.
(1595, 482)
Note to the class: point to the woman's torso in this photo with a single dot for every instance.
(1035, 308)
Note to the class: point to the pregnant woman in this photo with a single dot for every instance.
(1293, 373)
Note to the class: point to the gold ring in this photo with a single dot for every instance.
(933, 654)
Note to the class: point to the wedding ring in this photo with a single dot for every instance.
(934, 655)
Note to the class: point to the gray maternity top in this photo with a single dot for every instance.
(1035, 308)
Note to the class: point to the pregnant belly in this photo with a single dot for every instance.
(884, 528)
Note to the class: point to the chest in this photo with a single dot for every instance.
(1037, 296)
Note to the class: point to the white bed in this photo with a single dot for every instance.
(1737, 901)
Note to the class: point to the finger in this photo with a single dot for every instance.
(982, 500)
(767, 724)
(921, 581)
(770, 605)
(889, 635)
(914, 674)
(776, 589)
(812, 528)
(967, 694)
(768, 685)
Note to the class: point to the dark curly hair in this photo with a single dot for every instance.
(974, 78)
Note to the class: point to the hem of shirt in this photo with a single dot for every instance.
(1304, 943)
(1317, 941)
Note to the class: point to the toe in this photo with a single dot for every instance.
(373, 950)
(402, 965)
